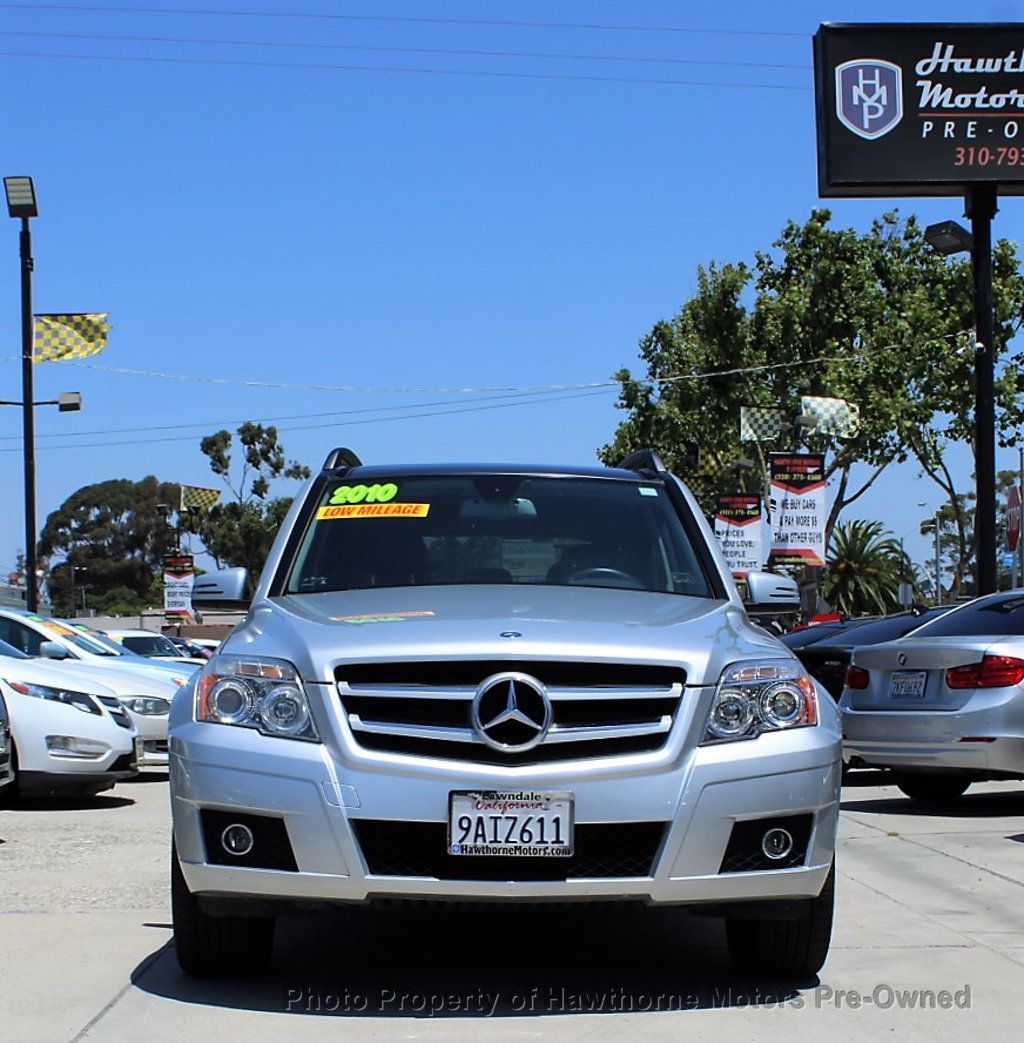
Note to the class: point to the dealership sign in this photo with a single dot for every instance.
(919, 109)
(738, 528)
(798, 511)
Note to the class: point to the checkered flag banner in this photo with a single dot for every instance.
(69, 336)
(835, 416)
(759, 425)
(197, 496)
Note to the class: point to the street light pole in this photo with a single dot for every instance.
(21, 204)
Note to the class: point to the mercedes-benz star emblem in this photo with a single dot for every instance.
(511, 712)
(902, 658)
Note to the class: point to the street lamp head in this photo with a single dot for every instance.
(21, 197)
(69, 402)
(948, 237)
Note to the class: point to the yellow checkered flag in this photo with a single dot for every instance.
(69, 336)
(197, 496)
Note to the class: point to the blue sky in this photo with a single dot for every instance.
(262, 221)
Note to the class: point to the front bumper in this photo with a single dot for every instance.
(697, 796)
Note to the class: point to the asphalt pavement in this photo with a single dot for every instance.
(929, 942)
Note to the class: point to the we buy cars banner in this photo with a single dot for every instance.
(798, 511)
(738, 528)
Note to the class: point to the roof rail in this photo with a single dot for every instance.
(644, 460)
(341, 457)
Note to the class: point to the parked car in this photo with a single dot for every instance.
(144, 692)
(827, 659)
(190, 648)
(60, 639)
(502, 684)
(69, 737)
(6, 769)
(152, 645)
(944, 706)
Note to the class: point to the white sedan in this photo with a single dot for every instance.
(68, 737)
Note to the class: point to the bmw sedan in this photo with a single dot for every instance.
(944, 706)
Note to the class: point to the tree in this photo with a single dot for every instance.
(114, 536)
(878, 319)
(241, 531)
(865, 569)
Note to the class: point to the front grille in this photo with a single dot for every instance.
(424, 708)
(744, 852)
(155, 745)
(116, 710)
(604, 850)
(271, 848)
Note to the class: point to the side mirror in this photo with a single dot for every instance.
(767, 592)
(53, 650)
(226, 589)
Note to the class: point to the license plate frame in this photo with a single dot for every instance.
(506, 817)
(908, 684)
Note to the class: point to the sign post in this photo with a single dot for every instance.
(931, 110)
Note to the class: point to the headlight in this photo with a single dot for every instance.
(757, 697)
(254, 692)
(79, 700)
(147, 706)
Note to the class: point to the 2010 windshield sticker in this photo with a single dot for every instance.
(373, 510)
(364, 493)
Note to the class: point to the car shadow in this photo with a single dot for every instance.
(146, 775)
(463, 962)
(99, 802)
(970, 805)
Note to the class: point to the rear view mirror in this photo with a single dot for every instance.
(53, 650)
(768, 592)
(226, 589)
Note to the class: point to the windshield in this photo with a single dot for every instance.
(150, 645)
(497, 529)
(1000, 616)
(72, 636)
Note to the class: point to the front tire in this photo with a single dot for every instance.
(785, 948)
(216, 946)
(931, 789)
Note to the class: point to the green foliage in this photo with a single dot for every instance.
(121, 601)
(241, 531)
(877, 318)
(865, 569)
(110, 535)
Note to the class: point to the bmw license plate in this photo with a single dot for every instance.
(907, 684)
(526, 824)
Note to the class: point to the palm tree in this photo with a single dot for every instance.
(865, 569)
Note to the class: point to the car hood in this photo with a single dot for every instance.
(47, 672)
(506, 621)
(122, 682)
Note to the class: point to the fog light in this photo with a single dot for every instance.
(73, 746)
(776, 844)
(237, 840)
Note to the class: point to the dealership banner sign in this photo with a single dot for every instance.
(179, 573)
(739, 531)
(798, 513)
(919, 109)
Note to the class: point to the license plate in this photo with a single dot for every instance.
(138, 749)
(907, 684)
(524, 824)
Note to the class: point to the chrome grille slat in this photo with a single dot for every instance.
(423, 708)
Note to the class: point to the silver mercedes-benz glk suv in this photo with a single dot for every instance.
(501, 683)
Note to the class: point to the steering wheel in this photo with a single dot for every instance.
(605, 577)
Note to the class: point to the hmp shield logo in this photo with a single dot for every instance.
(869, 96)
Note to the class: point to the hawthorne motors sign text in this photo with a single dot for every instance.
(919, 109)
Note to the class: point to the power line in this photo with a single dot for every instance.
(448, 52)
(491, 74)
(404, 19)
